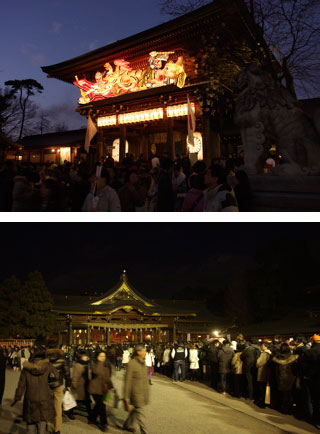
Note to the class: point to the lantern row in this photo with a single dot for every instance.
(145, 115)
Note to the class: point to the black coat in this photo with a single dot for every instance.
(225, 356)
(213, 353)
(286, 371)
(249, 357)
(313, 362)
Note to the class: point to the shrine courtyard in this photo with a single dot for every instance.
(175, 408)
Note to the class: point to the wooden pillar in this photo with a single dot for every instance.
(100, 145)
(170, 141)
(174, 331)
(88, 335)
(211, 140)
(107, 336)
(123, 139)
(70, 332)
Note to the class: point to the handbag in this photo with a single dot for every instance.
(68, 401)
(268, 395)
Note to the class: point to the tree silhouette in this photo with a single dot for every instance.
(24, 89)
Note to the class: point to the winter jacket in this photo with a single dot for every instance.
(220, 199)
(58, 360)
(108, 201)
(286, 371)
(194, 201)
(136, 386)
(313, 361)
(126, 356)
(249, 358)
(101, 379)
(261, 364)
(166, 356)
(237, 364)
(34, 384)
(213, 353)
(150, 359)
(80, 380)
(194, 359)
(224, 357)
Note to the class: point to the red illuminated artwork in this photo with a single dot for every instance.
(122, 79)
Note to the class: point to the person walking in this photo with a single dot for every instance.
(136, 391)
(150, 363)
(98, 387)
(38, 406)
(80, 381)
(58, 360)
(3, 365)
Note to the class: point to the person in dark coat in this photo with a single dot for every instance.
(3, 365)
(286, 374)
(80, 381)
(38, 407)
(242, 191)
(98, 387)
(214, 363)
(165, 191)
(313, 360)
(58, 360)
(249, 358)
(136, 390)
(225, 356)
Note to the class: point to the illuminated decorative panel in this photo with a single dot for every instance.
(119, 78)
(176, 111)
(143, 116)
(107, 121)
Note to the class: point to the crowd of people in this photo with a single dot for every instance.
(136, 185)
(284, 375)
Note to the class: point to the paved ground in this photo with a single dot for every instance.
(175, 408)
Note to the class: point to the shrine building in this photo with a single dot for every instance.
(123, 314)
(136, 89)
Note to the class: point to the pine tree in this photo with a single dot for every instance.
(39, 320)
(26, 308)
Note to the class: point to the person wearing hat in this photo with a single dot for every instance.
(102, 198)
(80, 381)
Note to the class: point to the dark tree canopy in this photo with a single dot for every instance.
(26, 308)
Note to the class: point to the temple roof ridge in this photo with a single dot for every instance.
(124, 292)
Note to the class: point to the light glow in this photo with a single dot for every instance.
(176, 111)
(143, 116)
(107, 121)
(216, 333)
(116, 150)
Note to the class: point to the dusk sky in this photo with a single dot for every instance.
(160, 259)
(39, 33)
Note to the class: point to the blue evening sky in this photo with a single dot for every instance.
(37, 33)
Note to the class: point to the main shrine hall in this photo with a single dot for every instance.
(137, 89)
(123, 314)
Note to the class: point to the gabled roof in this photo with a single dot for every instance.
(137, 46)
(123, 292)
(62, 138)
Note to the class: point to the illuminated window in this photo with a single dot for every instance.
(176, 111)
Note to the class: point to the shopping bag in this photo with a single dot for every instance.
(68, 401)
(107, 397)
(268, 395)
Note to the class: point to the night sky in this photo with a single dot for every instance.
(160, 259)
(39, 33)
